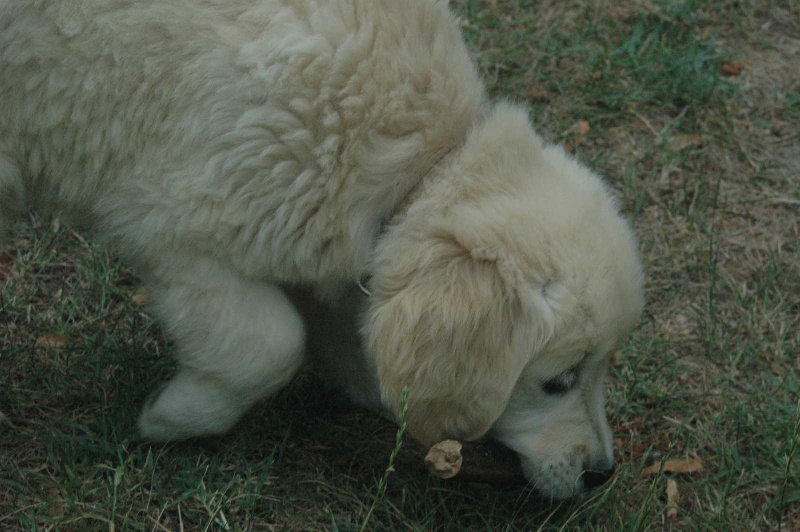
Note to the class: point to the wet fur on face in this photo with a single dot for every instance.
(245, 157)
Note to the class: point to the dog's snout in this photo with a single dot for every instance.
(594, 478)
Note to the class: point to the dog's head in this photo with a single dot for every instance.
(498, 297)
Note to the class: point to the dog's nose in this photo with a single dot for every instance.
(593, 478)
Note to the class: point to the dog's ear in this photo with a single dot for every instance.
(442, 325)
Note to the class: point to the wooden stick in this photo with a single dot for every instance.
(483, 461)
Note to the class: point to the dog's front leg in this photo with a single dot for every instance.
(238, 340)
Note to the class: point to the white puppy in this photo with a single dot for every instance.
(232, 149)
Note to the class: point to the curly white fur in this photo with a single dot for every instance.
(234, 149)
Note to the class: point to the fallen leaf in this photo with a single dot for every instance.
(732, 69)
(637, 423)
(538, 94)
(672, 514)
(583, 127)
(55, 503)
(638, 449)
(139, 297)
(53, 341)
(682, 141)
(6, 262)
(673, 494)
(673, 466)
(673, 498)
(490, 4)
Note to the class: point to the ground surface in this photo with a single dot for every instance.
(692, 112)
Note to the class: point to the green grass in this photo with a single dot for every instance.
(705, 165)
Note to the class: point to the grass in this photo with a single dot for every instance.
(706, 163)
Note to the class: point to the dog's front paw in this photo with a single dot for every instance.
(186, 407)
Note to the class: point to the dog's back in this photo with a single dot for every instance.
(139, 118)
(96, 94)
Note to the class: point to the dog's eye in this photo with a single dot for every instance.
(556, 387)
(561, 384)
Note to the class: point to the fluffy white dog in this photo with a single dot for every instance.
(255, 158)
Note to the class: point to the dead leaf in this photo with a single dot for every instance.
(732, 69)
(53, 341)
(139, 297)
(682, 141)
(637, 423)
(490, 4)
(583, 127)
(673, 498)
(673, 466)
(638, 449)
(673, 494)
(55, 503)
(6, 262)
(538, 94)
(672, 514)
